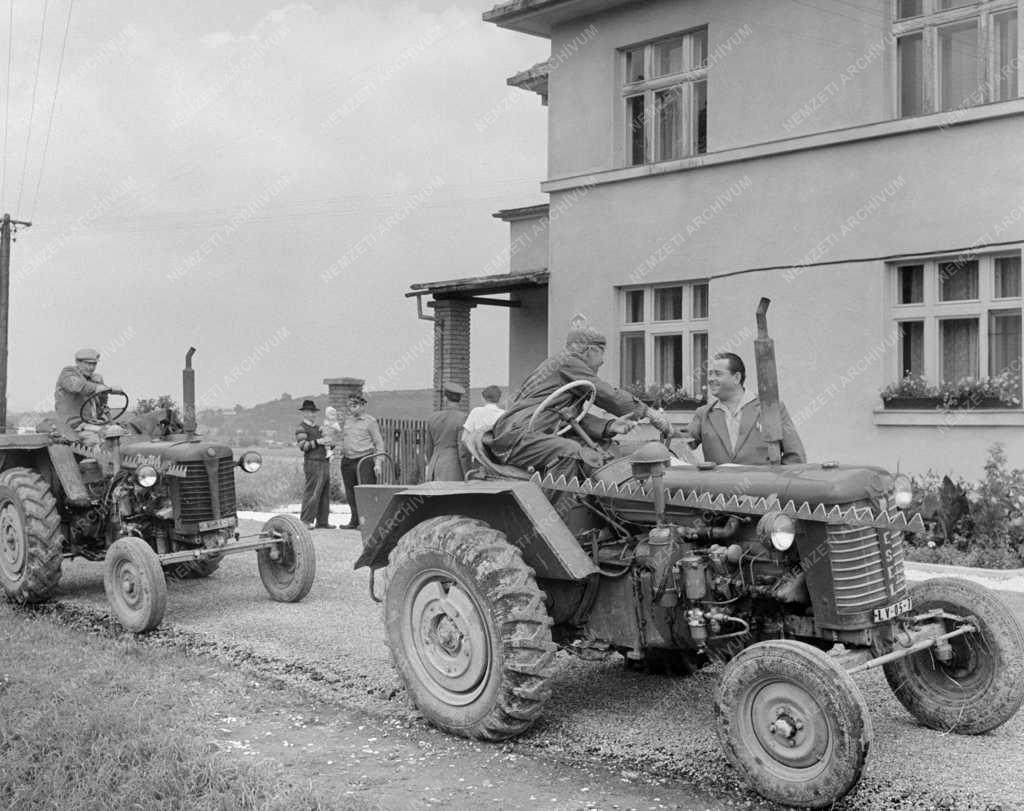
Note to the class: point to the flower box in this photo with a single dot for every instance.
(918, 403)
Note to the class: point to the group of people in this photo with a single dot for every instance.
(356, 438)
(449, 457)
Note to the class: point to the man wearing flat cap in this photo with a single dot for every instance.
(75, 385)
(360, 439)
(542, 449)
(441, 443)
(316, 498)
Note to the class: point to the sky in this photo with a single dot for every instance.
(262, 181)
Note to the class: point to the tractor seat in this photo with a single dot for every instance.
(476, 442)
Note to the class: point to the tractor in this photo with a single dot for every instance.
(150, 497)
(790, 578)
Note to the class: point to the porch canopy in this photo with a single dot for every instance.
(452, 301)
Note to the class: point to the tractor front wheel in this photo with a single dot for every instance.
(468, 629)
(982, 685)
(287, 569)
(30, 538)
(793, 723)
(135, 584)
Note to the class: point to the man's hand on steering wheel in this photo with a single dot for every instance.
(104, 416)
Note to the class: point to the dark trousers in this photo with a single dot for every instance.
(316, 500)
(348, 477)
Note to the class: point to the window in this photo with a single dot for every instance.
(666, 98)
(664, 338)
(959, 317)
(954, 54)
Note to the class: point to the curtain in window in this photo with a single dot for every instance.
(1004, 337)
(668, 358)
(632, 367)
(960, 357)
(958, 64)
(668, 105)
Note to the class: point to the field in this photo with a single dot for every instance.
(91, 721)
(280, 481)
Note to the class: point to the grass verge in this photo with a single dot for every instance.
(91, 721)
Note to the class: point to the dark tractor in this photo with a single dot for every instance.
(792, 576)
(151, 498)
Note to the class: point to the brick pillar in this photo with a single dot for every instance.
(338, 390)
(451, 346)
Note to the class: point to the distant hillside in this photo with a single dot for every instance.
(275, 421)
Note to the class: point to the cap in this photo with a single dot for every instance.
(87, 354)
(308, 405)
(585, 336)
(356, 397)
(454, 388)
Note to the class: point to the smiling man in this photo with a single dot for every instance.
(729, 426)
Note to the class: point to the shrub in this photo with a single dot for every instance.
(968, 524)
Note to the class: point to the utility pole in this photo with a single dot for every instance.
(5, 308)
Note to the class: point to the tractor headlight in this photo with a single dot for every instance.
(778, 528)
(146, 475)
(250, 461)
(902, 491)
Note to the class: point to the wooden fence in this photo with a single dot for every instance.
(403, 440)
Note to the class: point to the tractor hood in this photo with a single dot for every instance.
(814, 483)
(174, 450)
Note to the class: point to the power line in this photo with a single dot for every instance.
(7, 101)
(32, 108)
(53, 107)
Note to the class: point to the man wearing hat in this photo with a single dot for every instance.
(542, 449)
(441, 443)
(75, 385)
(316, 499)
(360, 438)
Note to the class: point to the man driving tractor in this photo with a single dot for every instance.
(75, 385)
(526, 437)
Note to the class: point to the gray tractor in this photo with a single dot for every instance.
(143, 503)
(792, 576)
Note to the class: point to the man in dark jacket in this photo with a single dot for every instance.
(75, 385)
(729, 426)
(542, 449)
(441, 443)
(316, 500)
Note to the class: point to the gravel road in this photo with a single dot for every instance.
(652, 729)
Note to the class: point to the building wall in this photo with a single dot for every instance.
(527, 333)
(922, 192)
(767, 61)
(529, 244)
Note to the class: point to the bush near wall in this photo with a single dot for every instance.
(971, 524)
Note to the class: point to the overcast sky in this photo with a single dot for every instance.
(260, 180)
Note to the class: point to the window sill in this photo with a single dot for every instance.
(864, 132)
(981, 417)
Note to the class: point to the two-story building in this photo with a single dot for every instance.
(859, 163)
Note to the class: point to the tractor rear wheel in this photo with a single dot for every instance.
(982, 686)
(135, 584)
(468, 629)
(287, 569)
(793, 723)
(31, 542)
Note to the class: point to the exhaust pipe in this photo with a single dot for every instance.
(188, 394)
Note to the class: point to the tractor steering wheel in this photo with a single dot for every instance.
(108, 417)
(578, 403)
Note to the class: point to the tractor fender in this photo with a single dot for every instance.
(517, 508)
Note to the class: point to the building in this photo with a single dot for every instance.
(854, 162)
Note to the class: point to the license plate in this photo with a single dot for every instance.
(891, 611)
(216, 523)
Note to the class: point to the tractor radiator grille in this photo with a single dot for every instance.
(196, 503)
(867, 567)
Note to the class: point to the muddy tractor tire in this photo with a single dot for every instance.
(135, 584)
(468, 629)
(31, 542)
(287, 569)
(793, 723)
(983, 686)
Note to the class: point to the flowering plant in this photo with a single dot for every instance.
(909, 386)
(970, 392)
(665, 394)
